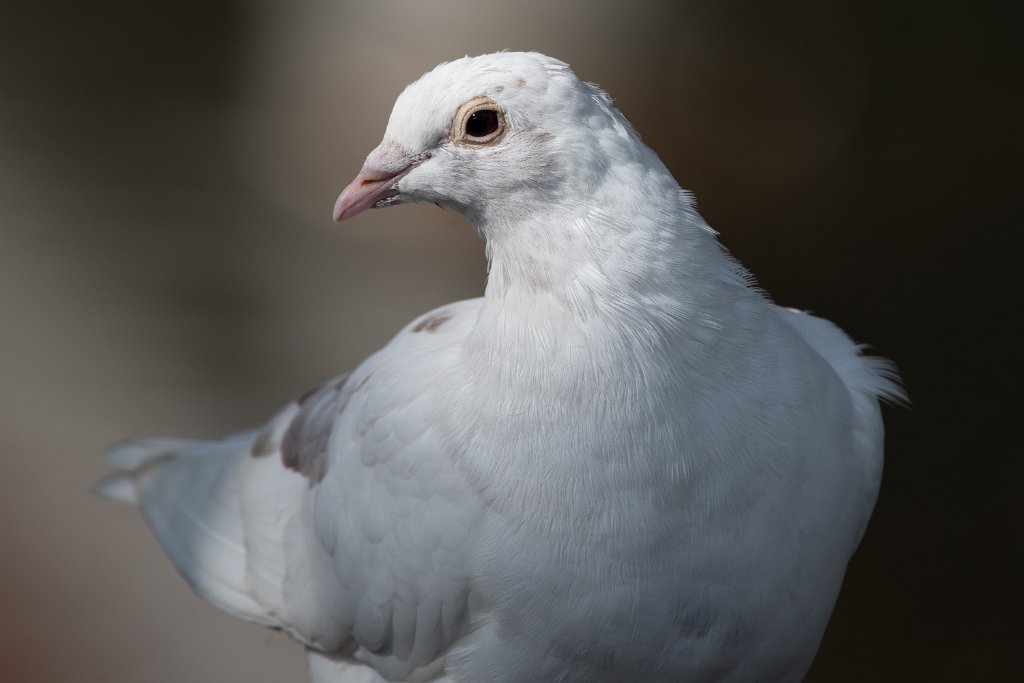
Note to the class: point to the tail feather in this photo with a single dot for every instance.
(135, 453)
(190, 494)
(118, 487)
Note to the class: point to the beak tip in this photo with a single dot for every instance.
(342, 208)
(368, 188)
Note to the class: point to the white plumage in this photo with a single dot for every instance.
(623, 463)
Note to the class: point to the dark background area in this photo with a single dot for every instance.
(168, 265)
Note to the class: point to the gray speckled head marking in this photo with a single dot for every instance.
(432, 323)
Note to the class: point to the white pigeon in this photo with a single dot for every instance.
(623, 463)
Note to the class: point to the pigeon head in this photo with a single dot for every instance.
(506, 134)
(566, 196)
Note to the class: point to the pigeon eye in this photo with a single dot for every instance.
(478, 122)
(482, 123)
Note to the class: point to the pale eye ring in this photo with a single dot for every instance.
(478, 122)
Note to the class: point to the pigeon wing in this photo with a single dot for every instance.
(343, 521)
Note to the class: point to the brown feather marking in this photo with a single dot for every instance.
(432, 323)
(304, 445)
(263, 445)
(306, 396)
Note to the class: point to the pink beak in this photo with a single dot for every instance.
(369, 187)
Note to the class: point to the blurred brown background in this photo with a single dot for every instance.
(168, 266)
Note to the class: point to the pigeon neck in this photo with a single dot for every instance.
(636, 244)
(654, 304)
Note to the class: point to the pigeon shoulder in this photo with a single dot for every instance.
(447, 323)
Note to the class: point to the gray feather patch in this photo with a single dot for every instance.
(304, 446)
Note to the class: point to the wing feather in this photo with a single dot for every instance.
(342, 520)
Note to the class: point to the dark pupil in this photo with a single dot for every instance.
(481, 123)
